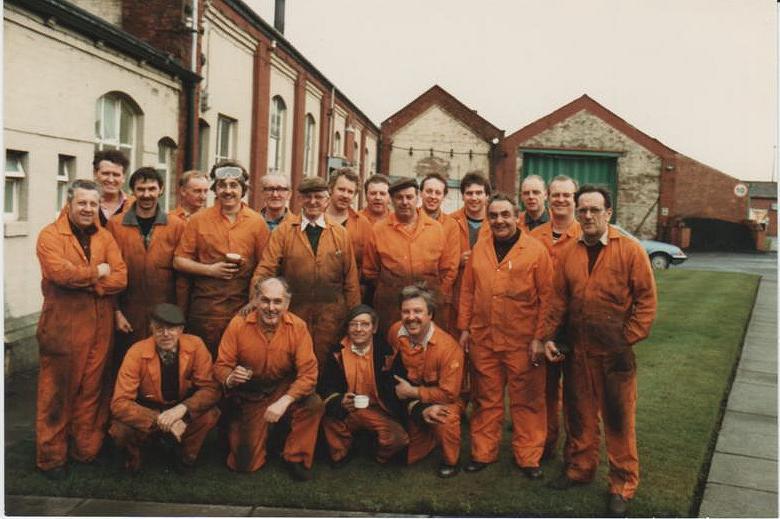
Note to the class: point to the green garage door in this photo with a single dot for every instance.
(598, 169)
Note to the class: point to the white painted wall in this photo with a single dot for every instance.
(313, 107)
(283, 85)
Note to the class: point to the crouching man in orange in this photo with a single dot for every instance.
(165, 387)
(433, 361)
(359, 392)
(504, 298)
(266, 364)
(605, 293)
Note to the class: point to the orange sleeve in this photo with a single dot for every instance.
(371, 258)
(450, 379)
(116, 281)
(123, 405)
(466, 300)
(543, 275)
(207, 394)
(188, 243)
(559, 299)
(269, 263)
(448, 266)
(227, 353)
(643, 290)
(56, 268)
(262, 239)
(351, 278)
(305, 365)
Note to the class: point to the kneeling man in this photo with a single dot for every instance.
(359, 391)
(165, 387)
(267, 365)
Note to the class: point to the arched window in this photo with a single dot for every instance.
(116, 124)
(166, 165)
(309, 167)
(276, 134)
(337, 144)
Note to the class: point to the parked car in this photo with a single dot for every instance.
(661, 254)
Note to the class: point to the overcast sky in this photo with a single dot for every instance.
(699, 75)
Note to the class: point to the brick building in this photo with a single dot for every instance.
(175, 84)
(763, 209)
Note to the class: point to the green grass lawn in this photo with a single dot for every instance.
(685, 370)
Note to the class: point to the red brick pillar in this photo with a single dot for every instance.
(261, 87)
(325, 117)
(299, 116)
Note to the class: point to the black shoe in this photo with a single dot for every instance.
(55, 474)
(183, 468)
(337, 464)
(447, 471)
(298, 471)
(617, 506)
(563, 482)
(475, 466)
(533, 472)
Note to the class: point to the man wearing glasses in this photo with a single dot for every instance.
(219, 250)
(315, 256)
(276, 194)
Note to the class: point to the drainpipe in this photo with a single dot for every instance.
(332, 125)
(190, 92)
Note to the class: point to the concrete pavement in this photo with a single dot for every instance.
(742, 481)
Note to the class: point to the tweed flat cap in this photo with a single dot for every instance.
(402, 183)
(312, 184)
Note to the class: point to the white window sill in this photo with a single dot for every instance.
(20, 228)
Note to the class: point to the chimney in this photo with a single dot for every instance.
(279, 15)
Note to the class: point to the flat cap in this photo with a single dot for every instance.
(312, 184)
(168, 314)
(402, 183)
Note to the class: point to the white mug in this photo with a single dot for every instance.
(361, 401)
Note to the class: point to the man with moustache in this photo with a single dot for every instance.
(343, 186)
(109, 168)
(82, 271)
(266, 364)
(555, 234)
(147, 238)
(219, 284)
(605, 292)
(193, 193)
(276, 194)
(358, 391)
(377, 198)
(406, 248)
(533, 194)
(504, 298)
(165, 390)
(315, 256)
(433, 361)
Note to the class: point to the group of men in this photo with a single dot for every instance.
(391, 321)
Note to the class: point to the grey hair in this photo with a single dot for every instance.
(83, 183)
(263, 282)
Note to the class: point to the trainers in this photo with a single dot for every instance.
(617, 506)
(447, 471)
(298, 471)
(475, 466)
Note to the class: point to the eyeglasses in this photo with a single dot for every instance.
(279, 189)
(228, 172)
(357, 325)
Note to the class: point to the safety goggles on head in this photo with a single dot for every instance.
(228, 172)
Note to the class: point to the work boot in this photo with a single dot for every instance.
(533, 473)
(447, 471)
(618, 506)
(337, 464)
(298, 471)
(475, 466)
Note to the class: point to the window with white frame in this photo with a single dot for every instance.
(166, 163)
(337, 144)
(116, 123)
(204, 131)
(309, 168)
(66, 169)
(276, 134)
(226, 138)
(15, 186)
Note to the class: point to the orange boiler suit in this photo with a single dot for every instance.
(138, 397)
(359, 229)
(182, 280)
(552, 393)
(397, 257)
(606, 312)
(150, 276)
(502, 305)
(348, 372)
(370, 216)
(437, 369)
(207, 237)
(324, 286)
(285, 364)
(452, 237)
(75, 336)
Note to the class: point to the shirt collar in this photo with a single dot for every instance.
(319, 222)
(544, 218)
(604, 238)
(360, 353)
(403, 332)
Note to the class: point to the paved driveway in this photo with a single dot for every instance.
(755, 263)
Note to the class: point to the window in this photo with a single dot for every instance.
(166, 162)
(66, 167)
(226, 129)
(15, 186)
(337, 144)
(276, 134)
(116, 123)
(309, 154)
(204, 131)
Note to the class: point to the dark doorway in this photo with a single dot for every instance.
(716, 235)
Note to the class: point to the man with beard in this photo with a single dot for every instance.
(147, 238)
(109, 168)
(533, 194)
(276, 193)
(503, 300)
(406, 248)
(343, 186)
(193, 193)
(219, 250)
(555, 234)
(358, 391)
(315, 255)
(434, 371)
(267, 366)
(377, 198)
(82, 271)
